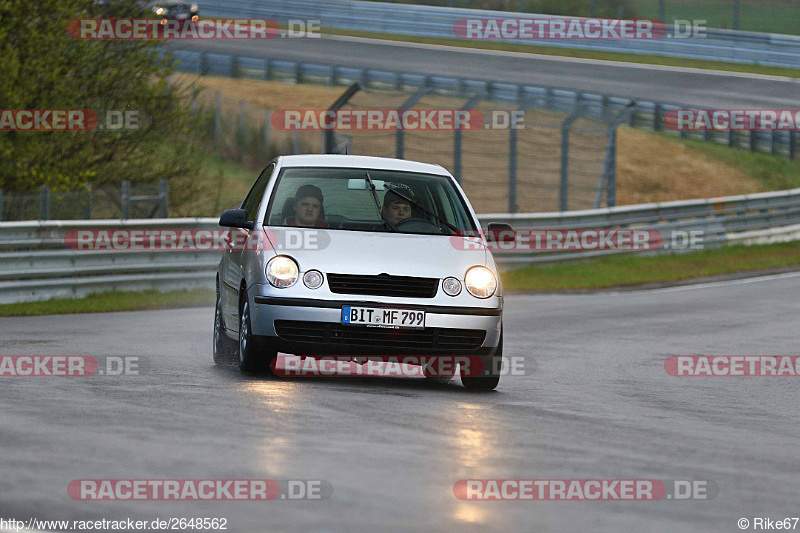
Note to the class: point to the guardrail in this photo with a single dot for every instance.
(34, 264)
(645, 114)
(433, 21)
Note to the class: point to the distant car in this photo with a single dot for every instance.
(383, 237)
(175, 10)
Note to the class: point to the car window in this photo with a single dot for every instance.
(347, 202)
(253, 198)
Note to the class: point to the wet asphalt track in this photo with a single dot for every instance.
(684, 86)
(598, 405)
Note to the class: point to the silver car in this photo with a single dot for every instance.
(339, 255)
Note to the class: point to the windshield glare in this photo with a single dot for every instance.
(340, 198)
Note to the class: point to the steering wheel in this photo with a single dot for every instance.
(417, 225)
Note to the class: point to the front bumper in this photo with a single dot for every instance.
(441, 323)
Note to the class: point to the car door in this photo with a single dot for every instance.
(235, 248)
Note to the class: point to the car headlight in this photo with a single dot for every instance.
(313, 279)
(480, 282)
(451, 286)
(161, 11)
(194, 8)
(282, 272)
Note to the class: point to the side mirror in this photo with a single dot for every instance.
(235, 218)
(500, 232)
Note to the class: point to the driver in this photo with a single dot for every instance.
(307, 208)
(396, 208)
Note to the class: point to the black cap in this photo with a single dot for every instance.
(308, 190)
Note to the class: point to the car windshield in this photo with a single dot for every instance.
(342, 198)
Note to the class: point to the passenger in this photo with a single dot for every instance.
(395, 207)
(307, 208)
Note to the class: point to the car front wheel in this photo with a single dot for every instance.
(254, 355)
(490, 377)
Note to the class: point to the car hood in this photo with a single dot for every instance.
(360, 252)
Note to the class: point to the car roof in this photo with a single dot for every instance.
(360, 161)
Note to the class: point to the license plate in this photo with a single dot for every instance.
(383, 318)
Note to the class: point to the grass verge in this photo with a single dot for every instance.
(632, 270)
(107, 302)
(773, 172)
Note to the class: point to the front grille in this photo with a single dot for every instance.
(383, 285)
(179, 8)
(337, 334)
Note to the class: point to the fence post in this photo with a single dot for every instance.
(329, 142)
(163, 195)
(792, 144)
(773, 138)
(408, 104)
(512, 168)
(267, 64)
(126, 200)
(44, 203)
(753, 140)
(735, 14)
(657, 112)
(609, 176)
(203, 63)
(217, 118)
(88, 214)
(565, 126)
(458, 137)
(234, 66)
(1, 205)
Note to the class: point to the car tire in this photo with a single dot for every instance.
(490, 377)
(255, 356)
(223, 347)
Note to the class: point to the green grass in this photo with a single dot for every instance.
(772, 17)
(774, 172)
(570, 52)
(113, 301)
(631, 270)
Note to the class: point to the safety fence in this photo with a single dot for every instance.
(36, 264)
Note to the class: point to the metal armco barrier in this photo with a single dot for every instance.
(643, 114)
(35, 264)
(431, 21)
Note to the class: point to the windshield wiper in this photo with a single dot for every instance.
(378, 204)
